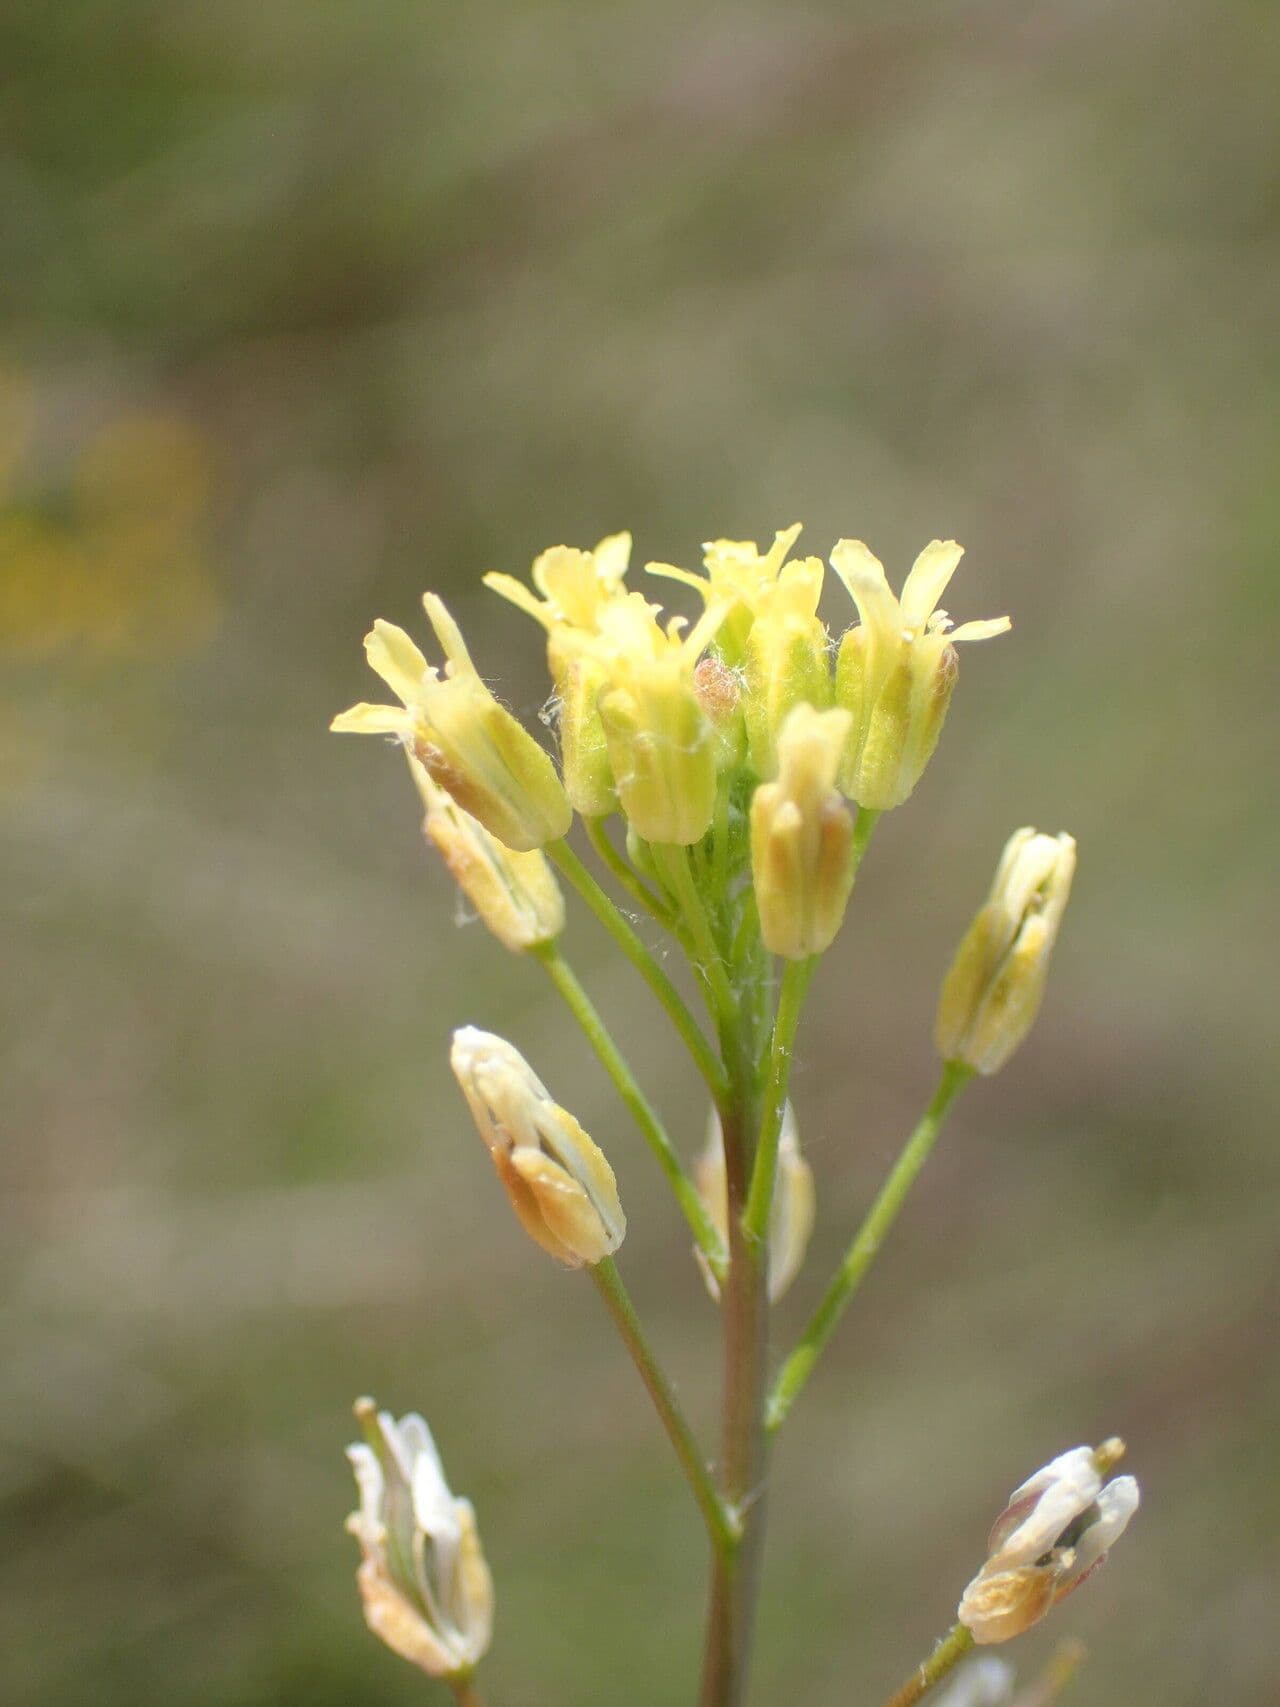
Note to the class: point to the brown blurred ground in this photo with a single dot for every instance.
(308, 305)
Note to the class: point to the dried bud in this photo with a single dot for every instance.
(802, 837)
(897, 668)
(423, 1579)
(1057, 1528)
(992, 993)
(516, 894)
(471, 746)
(560, 1185)
(791, 1217)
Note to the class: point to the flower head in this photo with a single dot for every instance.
(992, 992)
(470, 745)
(791, 1216)
(897, 668)
(516, 894)
(423, 1579)
(559, 1182)
(1057, 1528)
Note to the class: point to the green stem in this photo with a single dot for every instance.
(644, 963)
(720, 1525)
(744, 1312)
(795, 982)
(673, 863)
(866, 1243)
(948, 1653)
(635, 886)
(646, 1117)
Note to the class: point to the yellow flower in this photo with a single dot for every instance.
(992, 992)
(516, 894)
(897, 668)
(423, 1579)
(738, 578)
(787, 662)
(1057, 1528)
(576, 587)
(802, 837)
(791, 1216)
(560, 1184)
(662, 747)
(469, 744)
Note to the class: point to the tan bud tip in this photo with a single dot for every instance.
(1108, 1455)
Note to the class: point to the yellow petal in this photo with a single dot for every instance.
(396, 659)
(927, 581)
(980, 630)
(364, 719)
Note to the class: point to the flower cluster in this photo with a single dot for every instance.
(658, 719)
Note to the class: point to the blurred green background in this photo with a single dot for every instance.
(309, 305)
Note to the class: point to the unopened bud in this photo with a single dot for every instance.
(792, 1213)
(802, 837)
(993, 990)
(516, 894)
(1057, 1528)
(559, 1182)
(423, 1579)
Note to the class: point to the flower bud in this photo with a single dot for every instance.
(516, 894)
(469, 744)
(560, 1185)
(792, 1213)
(802, 837)
(896, 670)
(786, 659)
(1057, 1528)
(423, 1579)
(993, 990)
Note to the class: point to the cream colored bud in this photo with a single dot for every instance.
(559, 1182)
(516, 894)
(792, 1214)
(993, 990)
(1057, 1528)
(423, 1579)
(802, 837)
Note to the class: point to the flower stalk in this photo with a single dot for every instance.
(749, 755)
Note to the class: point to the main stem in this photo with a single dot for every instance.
(744, 1311)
